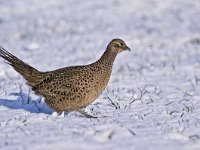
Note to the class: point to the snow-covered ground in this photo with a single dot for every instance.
(153, 98)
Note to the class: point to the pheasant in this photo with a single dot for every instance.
(69, 88)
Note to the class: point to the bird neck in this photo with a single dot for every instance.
(108, 57)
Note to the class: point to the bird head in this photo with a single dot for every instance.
(117, 46)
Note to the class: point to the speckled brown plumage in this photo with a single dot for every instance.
(69, 88)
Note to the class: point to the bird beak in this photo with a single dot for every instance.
(128, 49)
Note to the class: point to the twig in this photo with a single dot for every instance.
(131, 131)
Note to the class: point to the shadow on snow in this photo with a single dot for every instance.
(25, 102)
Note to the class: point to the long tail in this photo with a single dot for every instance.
(29, 73)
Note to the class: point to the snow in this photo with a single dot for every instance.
(153, 97)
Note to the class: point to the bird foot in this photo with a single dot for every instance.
(86, 115)
(58, 114)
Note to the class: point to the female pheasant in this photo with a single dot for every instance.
(70, 88)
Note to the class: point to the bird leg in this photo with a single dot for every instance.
(85, 114)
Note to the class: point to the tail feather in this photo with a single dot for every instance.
(28, 72)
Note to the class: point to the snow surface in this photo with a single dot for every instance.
(152, 101)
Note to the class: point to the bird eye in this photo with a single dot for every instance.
(121, 44)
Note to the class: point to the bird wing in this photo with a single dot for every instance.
(59, 82)
(61, 90)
